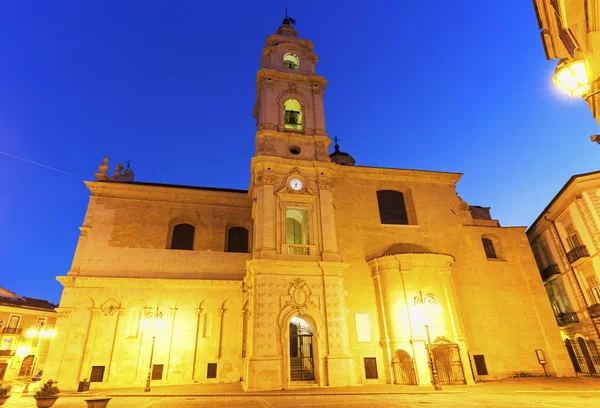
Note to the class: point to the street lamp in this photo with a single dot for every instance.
(571, 77)
(40, 330)
(429, 302)
(155, 320)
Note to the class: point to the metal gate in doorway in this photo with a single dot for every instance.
(446, 358)
(301, 353)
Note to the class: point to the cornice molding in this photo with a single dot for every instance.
(112, 282)
(174, 194)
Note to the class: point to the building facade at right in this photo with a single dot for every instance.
(565, 240)
(570, 31)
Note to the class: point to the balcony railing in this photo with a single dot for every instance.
(550, 270)
(12, 330)
(564, 319)
(594, 310)
(577, 253)
(294, 249)
(7, 353)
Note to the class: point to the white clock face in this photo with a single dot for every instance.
(296, 184)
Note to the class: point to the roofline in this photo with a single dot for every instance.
(562, 190)
(143, 183)
(402, 169)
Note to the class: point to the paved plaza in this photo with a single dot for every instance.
(523, 393)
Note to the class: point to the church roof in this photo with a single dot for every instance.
(28, 303)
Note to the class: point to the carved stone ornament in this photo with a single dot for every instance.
(268, 179)
(293, 172)
(119, 175)
(110, 306)
(293, 87)
(300, 293)
(427, 299)
(325, 184)
(267, 83)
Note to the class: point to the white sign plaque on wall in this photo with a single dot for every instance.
(363, 328)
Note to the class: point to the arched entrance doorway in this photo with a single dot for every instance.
(302, 366)
(27, 366)
(404, 368)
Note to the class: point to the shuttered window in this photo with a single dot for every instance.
(392, 208)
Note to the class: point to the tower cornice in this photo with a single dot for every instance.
(266, 73)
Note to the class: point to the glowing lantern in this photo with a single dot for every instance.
(571, 77)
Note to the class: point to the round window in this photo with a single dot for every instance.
(294, 150)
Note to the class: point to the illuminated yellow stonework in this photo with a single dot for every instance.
(570, 34)
(318, 254)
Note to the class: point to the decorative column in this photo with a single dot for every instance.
(264, 207)
(172, 313)
(198, 326)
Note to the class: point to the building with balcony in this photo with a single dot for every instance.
(570, 33)
(565, 240)
(21, 352)
(322, 273)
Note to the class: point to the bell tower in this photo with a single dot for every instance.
(289, 110)
(295, 274)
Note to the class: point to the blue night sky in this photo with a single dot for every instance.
(461, 87)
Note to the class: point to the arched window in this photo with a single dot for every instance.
(392, 208)
(237, 239)
(293, 114)
(297, 226)
(488, 246)
(291, 61)
(183, 237)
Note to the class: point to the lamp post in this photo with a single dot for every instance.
(154, 319)
(40, 330)
(429, 302)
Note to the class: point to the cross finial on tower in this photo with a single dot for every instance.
(288, 20)
(336, 140)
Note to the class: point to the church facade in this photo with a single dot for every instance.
(323, 273)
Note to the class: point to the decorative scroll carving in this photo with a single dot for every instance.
(428, 299)
(300, 292)
(293, 87)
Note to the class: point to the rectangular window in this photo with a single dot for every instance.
(157, 371)
(595, 294)
(363, 328)
(480, 364)
(392, 208)
(97, 374)
(41, 321)
(572, 237)
(211, 370)
(488, 246)
(371, 368)
(548, 255)
(297, 226)
(13, 322)
(6, 343)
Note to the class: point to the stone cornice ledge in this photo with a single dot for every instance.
(112, 282)
(167, 193)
